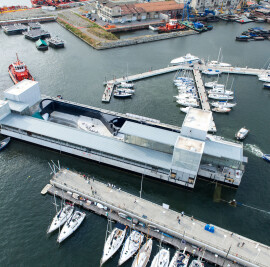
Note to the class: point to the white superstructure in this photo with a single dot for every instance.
(187, 59)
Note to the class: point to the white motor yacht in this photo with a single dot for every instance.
(214, 84)
(188, 102)
(126, 90)
(223, 104)
(71, 225)
(220, 91)
(242, 134)
(220, 97)
(265, 77)
(131, 245)
(221, 110)
(212, 72)
(126, 85)
(162, 259)
(180, 259)
(187, 59)
(121, 94)
(185, 110)
(215, 63)
(60, 218)
(143, 255)
(113, 242)
(196, 263)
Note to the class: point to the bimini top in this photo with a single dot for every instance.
(150, 133)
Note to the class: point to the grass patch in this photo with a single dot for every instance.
(77, 32)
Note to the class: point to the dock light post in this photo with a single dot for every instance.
(224, 238)
(216, 256)
(259, 250)
(193, 224)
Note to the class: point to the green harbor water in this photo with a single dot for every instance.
(77, 73)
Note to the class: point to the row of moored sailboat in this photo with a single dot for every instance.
(124, 90)
(134, 244)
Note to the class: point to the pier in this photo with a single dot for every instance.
(106, 97)
(223, 248)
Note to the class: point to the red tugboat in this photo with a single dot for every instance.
(172, 25)
(18, 71)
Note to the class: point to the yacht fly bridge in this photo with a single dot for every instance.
(138, 144)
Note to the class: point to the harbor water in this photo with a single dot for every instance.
(77, 73)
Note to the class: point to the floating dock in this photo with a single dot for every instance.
(36, 34)
(106, 97)
(222, 247)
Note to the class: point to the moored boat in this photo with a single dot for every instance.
(180, 259)
(60, 218)
(71, 225)
(162, 259)
(187, 59)
(242, 38)
(220, 91)
(221, 110)
(121, 93)
(41, 45)
(211, 72)
(266, 85)
(143, 255)
(220, 97)
(56, 42)
(126, 85)
(185, 110)
(18, 71)
(242, 134)
(113, 242)
(196, 263)
(223, 104)
(126, 90)
(188, 102)
(130, 247)
(214, 84)
(4, 143)
(266, 157)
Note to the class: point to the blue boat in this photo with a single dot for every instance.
(4, 143)
(266, 85)
(266, 157)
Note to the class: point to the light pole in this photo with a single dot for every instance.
(259, 250)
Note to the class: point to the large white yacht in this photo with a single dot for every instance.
(131, 245)
(113, 242)
(187, 59)
(60, 218)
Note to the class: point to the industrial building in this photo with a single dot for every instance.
(114, 12)
(138, 144)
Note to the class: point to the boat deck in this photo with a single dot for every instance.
(222, 245)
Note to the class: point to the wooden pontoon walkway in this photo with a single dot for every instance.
(221, 244)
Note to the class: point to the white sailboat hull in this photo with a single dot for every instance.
(71, 226)
(162, 259)
(179, 258)
(143, 255)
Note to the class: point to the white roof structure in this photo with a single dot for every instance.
(150, 133)
(198, 119)
(189, 144)
(20, 87)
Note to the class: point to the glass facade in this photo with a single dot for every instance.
(148, 144)
(206, 159)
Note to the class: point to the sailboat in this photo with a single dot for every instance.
(143, 255)
(162, 259)
(130, 247)
(220, 91)
(71, 225)
(223, 104)
(60, 218)
(180, 259)
(113, 242)
(217, 63)
(196, 263)
(221, 110)
(214, 84)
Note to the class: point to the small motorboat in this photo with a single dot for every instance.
(121, 94)
(266, 157)
(162, 259)
(130, 247)
(221, 110)
(18, 71)
(113, 242)
(214, 84)
(220, 91)
(242, 134)
(266, 85)
(180, 259)
(126, 90)
(143, 255)
(196, 263)
(4, 143)
(242, 38)
(264, 77)
(60, 218)
(71, 225)
(41, 45)
(126, 85)
(211, 72)
(220, 97)
(223, 104)
(185, 110)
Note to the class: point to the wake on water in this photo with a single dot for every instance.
(255, 150)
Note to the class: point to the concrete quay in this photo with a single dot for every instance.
(222, 246)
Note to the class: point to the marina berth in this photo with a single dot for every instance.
(143, 145)
(180, 259)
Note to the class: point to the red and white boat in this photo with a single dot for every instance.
(18, 71)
